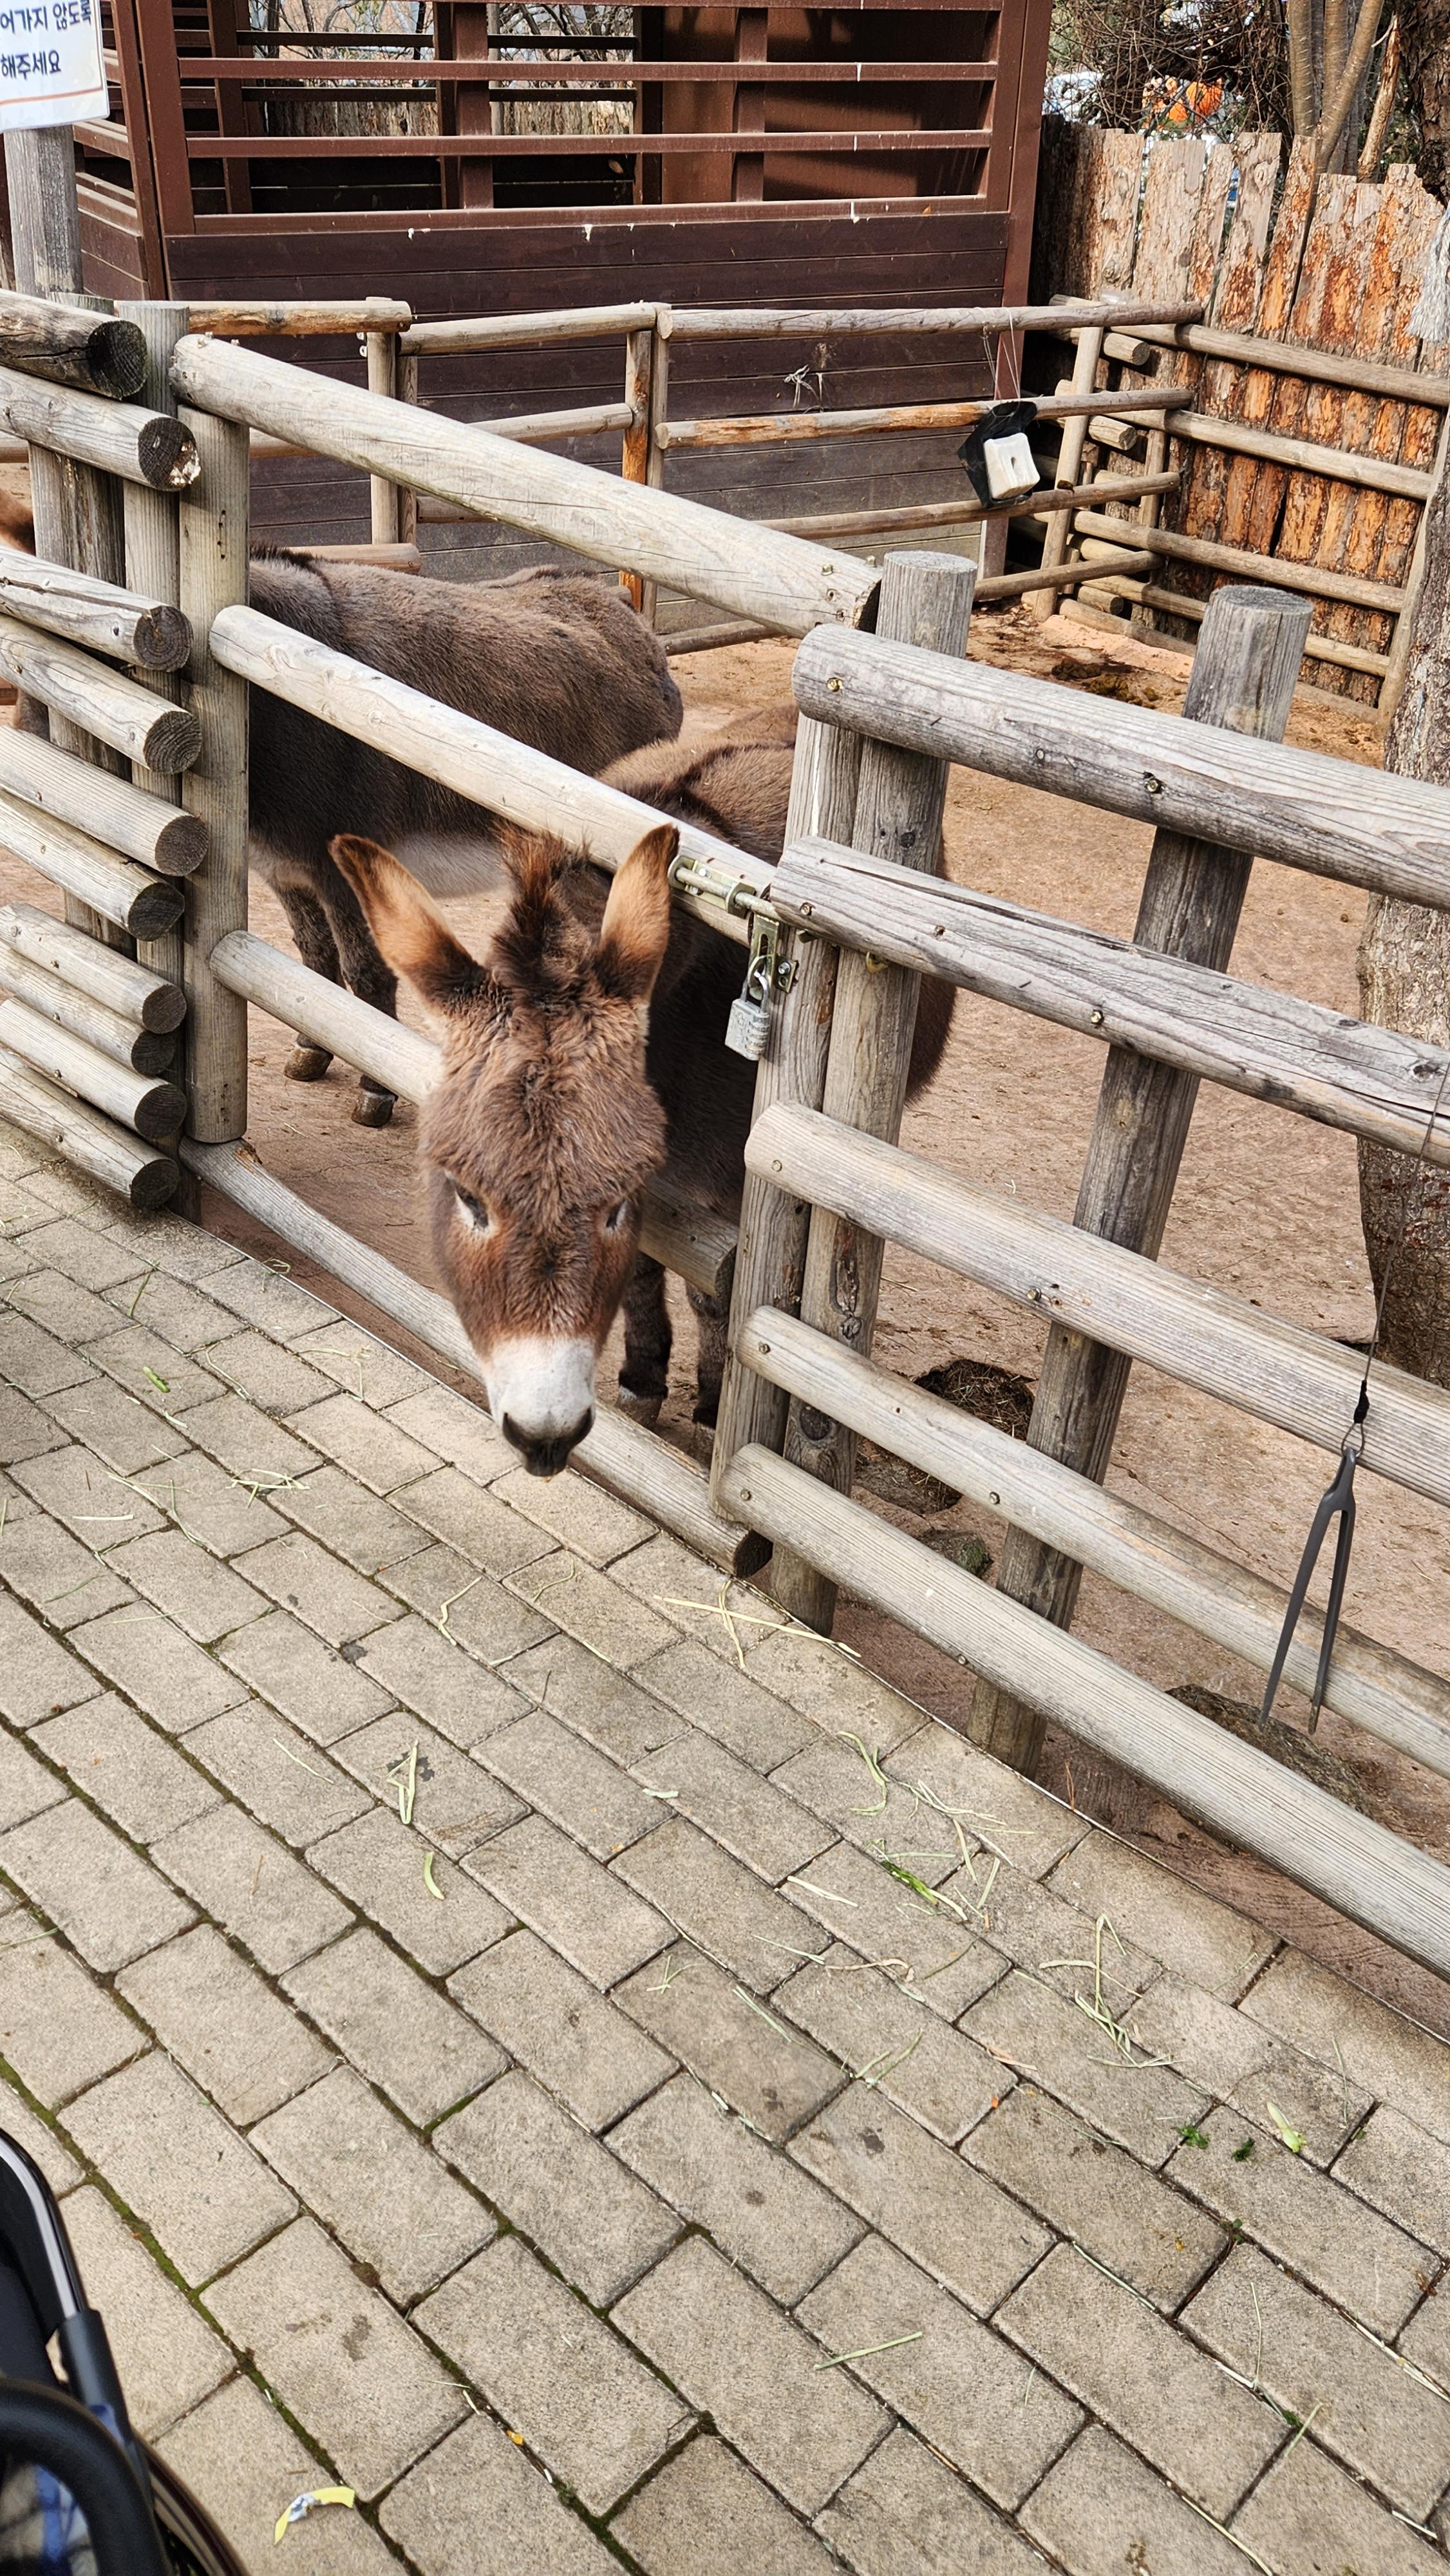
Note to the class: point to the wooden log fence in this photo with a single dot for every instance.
(86, 351)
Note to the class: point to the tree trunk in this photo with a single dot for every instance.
(1425, 27)
(1404, 983)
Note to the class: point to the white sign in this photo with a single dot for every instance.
(50, 63)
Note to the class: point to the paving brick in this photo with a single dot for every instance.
(1366, 2407)
(68, 1191)
(1426, 2338)
(379, 1864)
(26, 1787)
(21, 1208)
(253, 1887)
(169, 2357)
(176, 1682)
(477, 2507)
(940, 1960)
(351, 1521)
(265, 1296)
(339, 2358)
(277, 1773)
(1102, 2512)
(921, 2197)
(1098, 2196)
(59, 2030)
(1144, 2379)
(243, 2462)
(220, 2021)
(59, 1306)
(769, 2218)
(831, 1779)
(579, 1908)
(115, 1425)
(210, 1505)
(26, 1430)
(965, 2391)
(588, 2214)
(1306, 2518)
(363, 1441)
(182, 1315)
(905, 2510)
(175, 2162)
(1333, 2022)
(604, 1706)
(716, 1902)
(703, 2514)
(123, 1765)
(299, 1575)
(575, 1513)
(164, 1380)
(479, 1614)
(1356, 2257)
(455, 1803)
(1165, 1915)
(425, 2055)
(374, 2184)
(820, 1683)
(580, 2398)
(182, 1250)
(733, 2354)
(754, 1819)
(1010, 1815)
(466, 1517)
(592, 1607)
(876, 2029)
(417, 1664)
(264, 1374)
(247, 1442)
(38, 1676)
(35, 1362)
(569, 1782)
(1213, 2043)
(704, 2018)
(323, 1692)
(456, 1429)
(81, 1253)
(203, 1597)
(550, 2018)
(726, 1702)
(55, 1574)
(1404, 2173)
(689, 1595)
(1143, 2107)
(369, 1369)
(1034, 1929)
(102, 1894)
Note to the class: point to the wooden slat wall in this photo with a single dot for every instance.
(1334, 265)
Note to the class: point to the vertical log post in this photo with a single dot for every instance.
(1043, 603)
(77, 509)
(383, 357)
(635, 453)
(1243, 679)
(213, 513)
(926, 599)
(659, 412)
(407, 500)
(153, 569)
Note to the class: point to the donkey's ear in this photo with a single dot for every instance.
(410, 931)
(635, 931)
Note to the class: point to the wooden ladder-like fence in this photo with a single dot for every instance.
(160, 857)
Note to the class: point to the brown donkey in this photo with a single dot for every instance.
(584, 1053)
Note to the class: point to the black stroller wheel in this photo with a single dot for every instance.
(190, 2539)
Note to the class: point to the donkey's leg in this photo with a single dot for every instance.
(369, 978)
(645, 1376)
(317, 948)
(712, 1316)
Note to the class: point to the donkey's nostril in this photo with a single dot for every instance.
(546, 1454)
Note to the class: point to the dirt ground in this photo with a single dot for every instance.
(1267, 1206)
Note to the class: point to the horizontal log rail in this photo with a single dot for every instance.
(84, 611)
(1286, 574)
(55, 997)
(67, 347)
(141, 446)
(1247, 1037)
(524, 330)
(1362, 827)
(1246, 1357)
(300, 318)
(146, 1103)
(804, 321)
(1301, 455)
(141, 1174)
(103, 702)
(495, 771)
(969, 511)
(812, 145)
(619, 1454)
(1237, 1791)
(128, 896)
(1317, 648)
(759, 429)
(1368, 1683)
(675, 1230)
(1287, 358)
(124, 819)
(108, 975)
(744, 569)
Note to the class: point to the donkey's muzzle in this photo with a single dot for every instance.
(547, 1454)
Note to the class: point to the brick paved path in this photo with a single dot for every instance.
(451, 1973)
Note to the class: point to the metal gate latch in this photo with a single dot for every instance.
(748, 1026)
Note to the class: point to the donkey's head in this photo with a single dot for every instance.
(543, 1127)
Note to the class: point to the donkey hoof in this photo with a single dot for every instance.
(373, 1108)
(306, 1063)
(644, 1409)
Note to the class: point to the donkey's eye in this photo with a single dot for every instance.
(473, 1208)
(618, 1217)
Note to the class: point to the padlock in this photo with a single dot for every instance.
(748, 1027)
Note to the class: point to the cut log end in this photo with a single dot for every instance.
(154, 909)
(116, 357)
(163, 1011)
(172, 742)
(167, 454)
(181, 845)
(159, 1112)
(152, 1184)
(163, 639)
